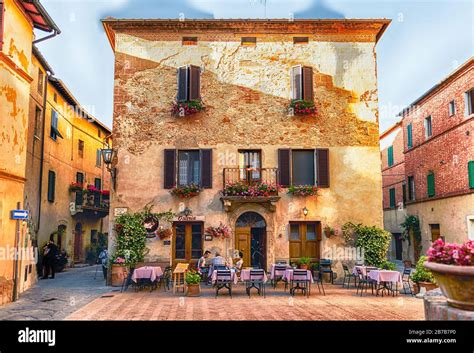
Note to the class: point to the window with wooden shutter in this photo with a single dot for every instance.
(391, 192)
(80, 178)
(470, 170)
(51, 185)
(308, 84)
(430, 178)
(206, 169)
(182, 84)
(296, 83)
(2, 12)
(284, 167)
(303, 167)
(98, 183)
(411, 188)
(409, 136)
(170, 169)
(390, 156)
(322, 167)
(194, 82)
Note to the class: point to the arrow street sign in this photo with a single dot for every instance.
(19, 214)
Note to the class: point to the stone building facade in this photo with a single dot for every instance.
(246, 131)
(438, 162)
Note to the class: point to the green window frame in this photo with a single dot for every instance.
(391, 193)
(470, 171)
(390, 156)
(410, 136)
(430, 179)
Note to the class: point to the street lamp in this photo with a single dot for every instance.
(305, 211)
(107, 156)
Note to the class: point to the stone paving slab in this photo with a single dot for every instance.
(338, 304)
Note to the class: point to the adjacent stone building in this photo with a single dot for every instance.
(437, 160)
(246, 73)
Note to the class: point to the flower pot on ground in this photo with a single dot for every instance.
(453, 267)
(193, 280)
(422, 276)
(304, 262)
(118, 274)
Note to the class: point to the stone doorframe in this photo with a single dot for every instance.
(268, 216)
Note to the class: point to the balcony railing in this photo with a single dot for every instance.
(92, 203)
(250, 176)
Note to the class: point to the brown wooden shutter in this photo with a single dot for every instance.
(284, 167)
(296, 87)
(182, 84)
(170, 169)
(206, 169)
(322, 167)
(2, 11)
(194, 82)
(308, 84)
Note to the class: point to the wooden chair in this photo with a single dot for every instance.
(178, 277)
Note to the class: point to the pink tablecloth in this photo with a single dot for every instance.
(148, 272)
(232, 272)
(289, 275)
(245, 276)
(363, 269)
(385, 276)
(279, 273)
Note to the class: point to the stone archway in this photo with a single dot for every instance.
(268, 217)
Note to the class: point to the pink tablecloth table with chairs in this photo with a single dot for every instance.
(234, 276)
(278, 272)
(147, 272)
(245, 275)
(363, 269)
(288, 275)
(385, 276)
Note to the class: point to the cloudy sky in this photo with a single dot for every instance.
(425, 42)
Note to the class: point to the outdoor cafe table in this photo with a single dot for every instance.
(245, 275)
(147, 272)
(385, 277)
(272, 270)
(288, 276)
(363, 269)
(232, 274)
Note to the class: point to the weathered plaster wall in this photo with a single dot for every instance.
(246, 91)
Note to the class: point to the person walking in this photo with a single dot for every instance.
(50, 253)
(104, 259)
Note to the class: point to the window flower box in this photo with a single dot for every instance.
(186, 191)
(303, 190)
(220, 232)
(259, 189)
(302, 107)
(76, 187)
(185, 108)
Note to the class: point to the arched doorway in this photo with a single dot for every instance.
(250, 239)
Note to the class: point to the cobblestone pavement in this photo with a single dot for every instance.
(338, 304)
(54, 299)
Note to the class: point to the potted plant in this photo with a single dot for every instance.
(329, 231)
(389, 266)
(73, 187)
(303, 190)
(185, 108)
(260, 189)
(186, 191)
(164, 233)
(422, 277)
(193, 280)
(453, 268)
(304, 263)
(302, 107)
(222, 231)
(119, 268)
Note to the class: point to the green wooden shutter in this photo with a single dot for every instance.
(392, 197)
(51, 185)
(390, 156)
(409, 136)
(470, 168)
(431, 184)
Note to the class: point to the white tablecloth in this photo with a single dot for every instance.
(147, 272)
(385, 276)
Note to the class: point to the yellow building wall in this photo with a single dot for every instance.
(15, 59)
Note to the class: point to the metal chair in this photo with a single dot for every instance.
(223, 281)
(165, 280)
(278, 272)
(406, 281)
(256, 281)
(127, 279)
(364, 282)
(300, 281)
(318, 278)
(348, 275)
(325, 266)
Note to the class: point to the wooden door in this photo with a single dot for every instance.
(78, 243)
(187, 242)
(435, 232)
(305, 240)
(242, 243)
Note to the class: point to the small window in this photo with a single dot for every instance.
(300, 40)
(469, 99)
(189, 83)
(390, 156)
(302, 83)
(99, 133)
(411, 188)
(452, 108)
(98, 158)
(98, 183)
(393, 202)
(40, 81)
(430, 179)
(80, 148)
(55, 97)
(80, 178)
(38, 122)
(189, 168)
(249, 41)
(54, 132)
(190, 40)
(51, 185)
(428, 127)
(410, 136)
(303, 167)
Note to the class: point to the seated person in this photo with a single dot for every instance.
(218, 260)
(240, 262)
(201, 264)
